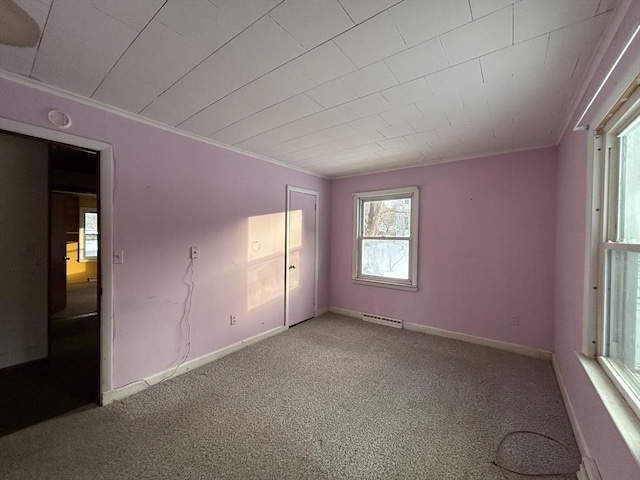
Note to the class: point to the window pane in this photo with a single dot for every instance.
(387, 218)
(91, 222)
(386, 258)
(629, 196)
(623, 317)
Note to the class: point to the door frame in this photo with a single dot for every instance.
(292, 189)
(106, 197)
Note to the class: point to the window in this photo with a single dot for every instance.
(619, 271)
(88, 250)
(386, 238)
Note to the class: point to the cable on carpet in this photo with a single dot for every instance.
(500, 464)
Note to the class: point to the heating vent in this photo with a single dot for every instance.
(390, 322)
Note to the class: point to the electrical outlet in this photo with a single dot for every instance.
(194, 252)
(514, 321)
(232, 319)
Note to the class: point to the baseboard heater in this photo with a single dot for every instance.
(389, 322)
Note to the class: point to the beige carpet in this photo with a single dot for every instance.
(332, 398)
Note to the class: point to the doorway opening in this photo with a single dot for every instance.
(50, 352)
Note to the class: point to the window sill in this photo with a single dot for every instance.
(377, 283)
(624, 418)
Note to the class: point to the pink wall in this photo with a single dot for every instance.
(487, 233)
(172, 192)
(604, 442)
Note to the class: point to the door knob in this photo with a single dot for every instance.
(292, 267)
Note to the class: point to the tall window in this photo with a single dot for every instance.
(386, 238)
(619, 342)
(88, 250)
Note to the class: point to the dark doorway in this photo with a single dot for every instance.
(57, 370)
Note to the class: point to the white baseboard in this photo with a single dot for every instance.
(345, 312)
(485, 342)
(139, 385)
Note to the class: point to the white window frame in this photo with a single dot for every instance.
(604, 218)
(411, 193)
(82, 257)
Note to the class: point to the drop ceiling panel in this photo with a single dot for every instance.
(367, 124)
(397, 130)
(370, 79)
(356, 140)
(417, 61)
(245, 12)
(312, 22)
(361, 10)
(325, 63)
(535, 17)
(401, 114)
(419, 21)
(373, 40)
(489, 34)
(406, 93)
(20, 59)
(431, 122)
(577, 38)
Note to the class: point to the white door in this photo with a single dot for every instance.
(301, 258)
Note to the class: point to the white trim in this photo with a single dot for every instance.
(106, 234)
(147, 121)
(412, 193)
(485, 342)
(625, 419)
(143, 384)
(305, 191)
(619, 15)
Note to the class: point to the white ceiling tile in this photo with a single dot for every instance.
(364, 151)
(317, 138)
(325, 63)
(126, 92)
(282, 83)
(489, 34)
(427, 136)
(419, 20)
(366, 124)
(15, 63)
(332, 93)
(373, 40)
(361, 10)
(401, 114)
(479, 110)
(480, 8)
(423, 59)
(200, 21)
(502, 63)
(85, 41)
(439, 104)
(430, 122)
(535, 17)
(245, 12)
(365, 106)
(356, 140)
(79, 78)
(312, 22)
(217, 116)
(307, 153)
(393, 143)
(134, 14)
(455, 78)
(398, 130)
(370, 79)
(262, 47)
(580, 37)
(406, 93)
(160, 56)
(490, 91)
(285, 112)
